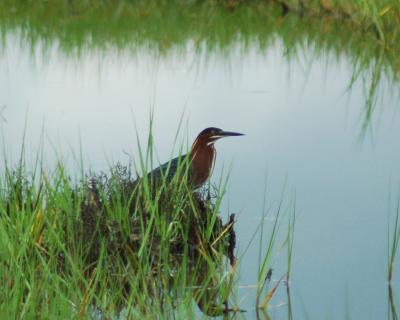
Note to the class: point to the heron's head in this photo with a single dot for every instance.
(209, 135)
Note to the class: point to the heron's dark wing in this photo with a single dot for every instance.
(167, 170)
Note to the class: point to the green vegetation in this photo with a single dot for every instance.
(265, 263)
(111, 244)
(381, 15)
(162, 25)
(393, 247)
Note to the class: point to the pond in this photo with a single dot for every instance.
(319, 131)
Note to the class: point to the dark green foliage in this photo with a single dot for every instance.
(108, 244)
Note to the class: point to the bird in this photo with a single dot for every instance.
(201, 159)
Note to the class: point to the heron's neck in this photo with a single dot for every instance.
(202, 158)
(202, 151)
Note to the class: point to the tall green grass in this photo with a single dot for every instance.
(265, 291)
(108, 244)
(393, 247)
(378, 15)
(112, 245)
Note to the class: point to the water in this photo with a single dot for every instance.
(304, 130)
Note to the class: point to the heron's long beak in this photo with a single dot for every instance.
(229, 134)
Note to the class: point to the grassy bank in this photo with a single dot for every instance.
(165, 24)
(383, 16)
(112, 244)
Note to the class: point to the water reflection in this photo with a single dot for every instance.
(207, 35)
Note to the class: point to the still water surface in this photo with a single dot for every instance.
(303, 130)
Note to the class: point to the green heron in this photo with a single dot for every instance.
(200, 159)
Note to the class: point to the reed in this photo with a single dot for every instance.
(393, 247)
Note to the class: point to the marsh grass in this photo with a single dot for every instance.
(393, 247)
(113, 245)
(379, 15)
(110, 243)
(394, 240)
(275, 244)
